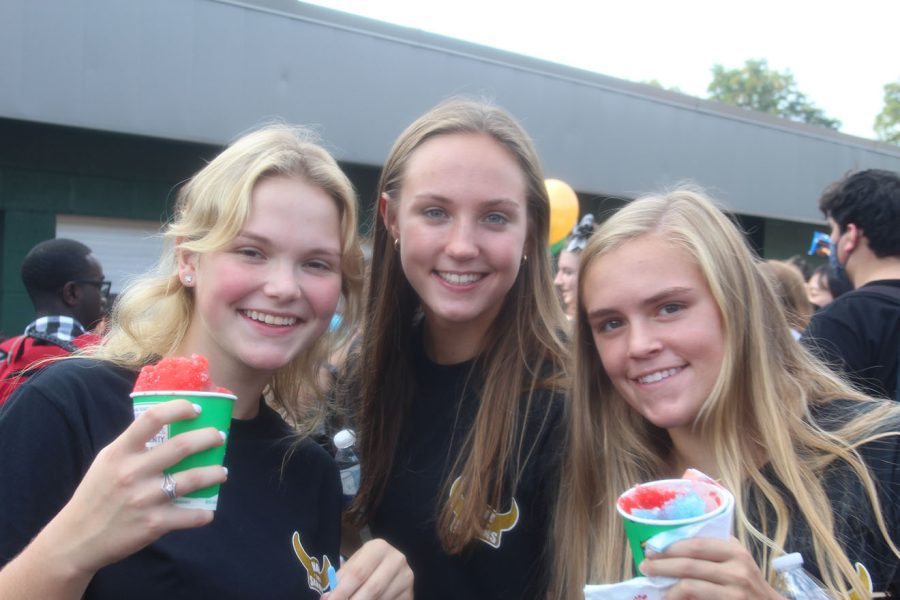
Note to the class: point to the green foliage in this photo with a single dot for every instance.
(887, 123)
(656, 83)
(757, 87)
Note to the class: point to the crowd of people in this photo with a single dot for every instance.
(499, 410)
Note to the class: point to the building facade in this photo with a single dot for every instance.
(107, 105)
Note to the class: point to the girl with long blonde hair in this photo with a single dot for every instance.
(683, 358)
(462, 361)
(262, 245)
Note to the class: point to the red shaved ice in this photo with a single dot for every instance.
(178, 373)
(646, 496)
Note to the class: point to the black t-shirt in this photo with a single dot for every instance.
(271, 514)
(859, 334)
(513, 564)
(855, 525)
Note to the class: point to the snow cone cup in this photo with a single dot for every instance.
(216, 409)
(717, 505)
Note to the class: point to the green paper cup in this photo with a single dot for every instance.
(638, 530)
(216, 412)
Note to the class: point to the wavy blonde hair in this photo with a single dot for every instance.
(524, 350)
(762, 399)
(153, 314)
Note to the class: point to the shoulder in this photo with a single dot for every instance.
(76, 383)
(84, 373)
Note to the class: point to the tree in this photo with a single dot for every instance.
(887, 123)
(656, 83)
(757, 87)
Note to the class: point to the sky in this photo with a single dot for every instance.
(840, 53)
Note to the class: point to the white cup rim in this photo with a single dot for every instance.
(136, 395)
(725, 495)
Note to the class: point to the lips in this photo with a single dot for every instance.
(658, 375)
(269, 319)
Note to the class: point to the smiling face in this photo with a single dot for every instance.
(461, 219)
(566, 280)
(656, 327)
(271, 292)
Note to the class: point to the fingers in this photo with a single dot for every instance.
(377, 570)
(148, 424)
(195, 479)
(155, 418)
(708, 568)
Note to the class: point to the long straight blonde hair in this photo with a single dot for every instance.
(153, 314)
(762, 399)
(523, 350)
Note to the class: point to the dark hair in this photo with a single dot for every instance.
(870, 200)
(802, 265)
(837, 283)
(51, 264)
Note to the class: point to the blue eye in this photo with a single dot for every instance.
(249, 252)
(319, 265)
(608, 325)
(671, 309)
(434, 213)
(496, 219)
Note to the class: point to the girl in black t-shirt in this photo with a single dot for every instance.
(262, 246)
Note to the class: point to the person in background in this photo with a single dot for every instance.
(262, 246)
(824, 286)
(790, 289)
(669, 374)
(859, 332)
(566, 280)
(462, 360)
(801, 265)
(65, 283)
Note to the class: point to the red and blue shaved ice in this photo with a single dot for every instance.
(177, 373)
(661, 502)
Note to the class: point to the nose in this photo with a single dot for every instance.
(462, 244)
(558, 280)
(643, 341)
(282, 281)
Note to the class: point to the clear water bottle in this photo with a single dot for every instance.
(347, 462)
(795, 582)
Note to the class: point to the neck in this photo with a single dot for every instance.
(875, 269)
(451, 345)
(689, 451)
(248, 387)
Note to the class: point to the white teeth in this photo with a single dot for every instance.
(658, 376)
(459, 279)
(269, 319)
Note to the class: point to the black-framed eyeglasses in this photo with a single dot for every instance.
(104, 285)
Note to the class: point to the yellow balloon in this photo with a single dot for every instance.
(563, 209)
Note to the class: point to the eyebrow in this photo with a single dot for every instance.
(654, 299)
(444, 200)
(261, 239)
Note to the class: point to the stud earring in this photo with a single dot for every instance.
(524, 258)
(189, 279)
(396, 243)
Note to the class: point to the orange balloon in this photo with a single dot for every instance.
(563, 209)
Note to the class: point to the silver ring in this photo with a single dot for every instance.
(168, 486)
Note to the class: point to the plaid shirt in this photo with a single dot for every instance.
(63, 328)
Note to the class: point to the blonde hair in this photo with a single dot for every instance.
(523, 350)
(761, 401)
(153, 314)
(790, 289)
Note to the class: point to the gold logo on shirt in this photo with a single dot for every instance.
(497, 522)
(863, 573)
(316, 572)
